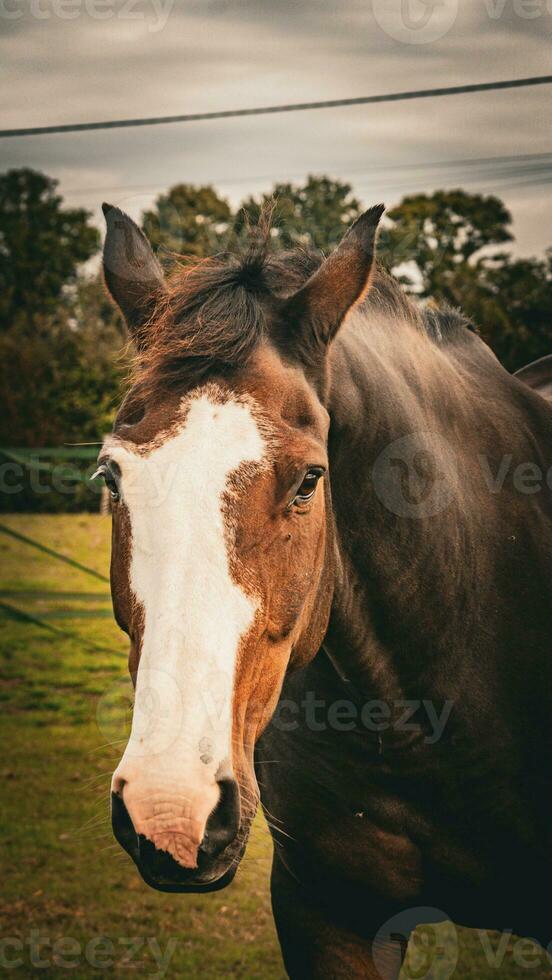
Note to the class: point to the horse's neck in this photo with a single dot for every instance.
(405, 530)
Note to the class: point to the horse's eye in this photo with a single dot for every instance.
(109, 479)
(309, 485)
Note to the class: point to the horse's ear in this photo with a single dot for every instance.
(315, 312)
(132, 274)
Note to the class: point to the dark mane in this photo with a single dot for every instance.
(441, 323)
(446, 323)
(216, 311)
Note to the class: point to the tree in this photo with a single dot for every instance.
(525, 289)
(512, 305)
(444, 234)
(41, 246)
(190, 220)
(187, 220)
(451, 240)
(313, 215)
(63, 380)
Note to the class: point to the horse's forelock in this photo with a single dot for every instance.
(215, 313)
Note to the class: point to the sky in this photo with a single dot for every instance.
(64, 61)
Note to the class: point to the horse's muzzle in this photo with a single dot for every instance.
(215, 868)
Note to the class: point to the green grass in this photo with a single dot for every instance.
(64, 715)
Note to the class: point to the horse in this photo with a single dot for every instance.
(332, 554)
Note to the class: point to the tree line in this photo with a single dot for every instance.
(62, 345)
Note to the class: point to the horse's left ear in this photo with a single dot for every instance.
(132, 274)
(315, 312)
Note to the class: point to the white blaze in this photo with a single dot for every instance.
(195, 614)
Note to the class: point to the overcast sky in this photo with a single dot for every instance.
(65, 61)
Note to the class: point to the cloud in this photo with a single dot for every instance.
(215, 54)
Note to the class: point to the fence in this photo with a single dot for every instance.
(50, 480)
(20, 615)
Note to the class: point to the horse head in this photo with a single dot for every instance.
(222, 551)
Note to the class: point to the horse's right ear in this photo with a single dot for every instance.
(316, 311)
(132, 274)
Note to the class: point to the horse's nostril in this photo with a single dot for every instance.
(224, 822)
(160, 865)
(122, 825)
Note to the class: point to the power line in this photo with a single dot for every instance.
(469, 169)
(292, 107)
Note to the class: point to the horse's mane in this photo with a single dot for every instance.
(216, 311)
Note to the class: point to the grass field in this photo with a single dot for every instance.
(71, 899)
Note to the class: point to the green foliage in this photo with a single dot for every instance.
(61, 380)
(522, 292)
(187, 220)
(62, 369)
(313, 215)
(190, 220)
(445, 246)
(41, 246)
(443, 231)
